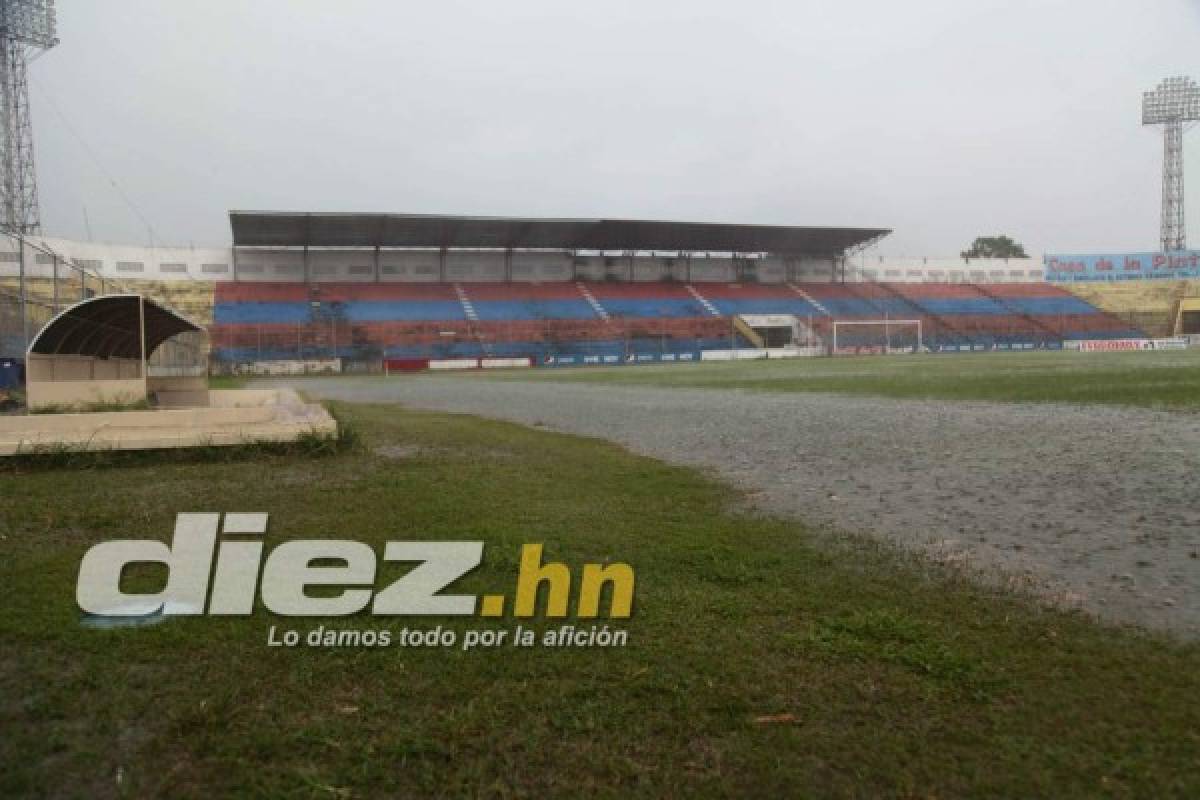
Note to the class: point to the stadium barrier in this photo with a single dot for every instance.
(580, 360)
(290, 367)
(453, 363)
(1110, 345)
(748, 354)
(391, 365)
(505, 363)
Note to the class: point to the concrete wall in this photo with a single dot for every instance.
(134, 262)
(120, 261)
(129, 263)
(79, 381)
(81, 394)
(224, 418)
(81, 368)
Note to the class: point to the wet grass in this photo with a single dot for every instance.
(227, 381)
(1168, 379)
(97, 407)
(763, 660)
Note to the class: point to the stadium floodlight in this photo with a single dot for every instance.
(1175, 101)
(30, 22)
(26, 26)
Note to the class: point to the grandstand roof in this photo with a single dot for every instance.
(107, 327)
(313, 229)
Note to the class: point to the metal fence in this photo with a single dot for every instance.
(37, 283)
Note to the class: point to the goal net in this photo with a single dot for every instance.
(875, 336)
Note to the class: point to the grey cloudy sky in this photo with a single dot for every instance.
(942, 119)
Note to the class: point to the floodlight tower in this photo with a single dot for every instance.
(1174, 102)
(26, 29)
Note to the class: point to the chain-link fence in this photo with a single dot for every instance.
(37, 283)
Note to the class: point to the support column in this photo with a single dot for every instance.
(142, 342)
(1173, 221)
(24, 298)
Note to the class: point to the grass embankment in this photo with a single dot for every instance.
(1169, 379)
(761, 660)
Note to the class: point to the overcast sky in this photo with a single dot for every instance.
(941, 119)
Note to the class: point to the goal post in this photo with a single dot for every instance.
(876, 336)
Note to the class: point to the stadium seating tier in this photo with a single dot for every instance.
(539, 319)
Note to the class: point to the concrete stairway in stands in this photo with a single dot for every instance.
(592, 301)
(1033, 321)
(468, 307)
(944, 327)
(809, 298)
(702, 300)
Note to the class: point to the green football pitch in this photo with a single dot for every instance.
(1164, 379)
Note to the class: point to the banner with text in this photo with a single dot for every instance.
(1123, 267)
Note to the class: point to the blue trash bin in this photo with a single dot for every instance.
(12, 373)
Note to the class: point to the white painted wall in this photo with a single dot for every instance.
(944, 270)
(134, 262)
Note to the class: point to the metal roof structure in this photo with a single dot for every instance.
(319, 229)
(108, 327)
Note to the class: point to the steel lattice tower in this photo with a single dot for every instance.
(27, 28)
(1174, 102)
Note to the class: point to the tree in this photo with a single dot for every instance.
(995, 247)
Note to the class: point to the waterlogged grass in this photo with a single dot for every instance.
(1168, 379)
(761, 660)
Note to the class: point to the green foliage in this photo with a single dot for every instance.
(995, 247)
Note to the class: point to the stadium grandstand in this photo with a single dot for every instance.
(373, 290)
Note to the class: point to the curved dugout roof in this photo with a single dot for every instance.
(308, 229)
(107, 327)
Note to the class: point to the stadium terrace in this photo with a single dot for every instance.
(308, 291)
